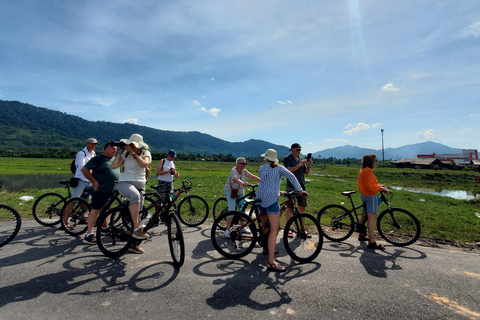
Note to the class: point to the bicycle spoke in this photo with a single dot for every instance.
(307, 240)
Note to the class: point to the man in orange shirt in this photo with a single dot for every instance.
(368, 187)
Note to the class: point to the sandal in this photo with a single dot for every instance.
(308, 234)
(69, 227)
(362, 237)
(290, 234)
(376, 246)
(275, 267)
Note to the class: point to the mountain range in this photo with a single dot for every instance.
(26, 127)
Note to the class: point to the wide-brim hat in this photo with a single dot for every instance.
(137, 140)
(270, 155)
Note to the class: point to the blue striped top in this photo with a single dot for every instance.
(270, 181)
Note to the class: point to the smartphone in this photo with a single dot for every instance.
(309, 156)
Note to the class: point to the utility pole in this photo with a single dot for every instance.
(383, 152)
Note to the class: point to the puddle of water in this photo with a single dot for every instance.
(455, 194)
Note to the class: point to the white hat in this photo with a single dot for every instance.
(92, 140)
(137, 140)
(271, 155)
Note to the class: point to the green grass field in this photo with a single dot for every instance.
(441, 217)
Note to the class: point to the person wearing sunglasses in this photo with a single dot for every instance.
(234, 188)
(300, 168)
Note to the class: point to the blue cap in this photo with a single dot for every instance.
(172, 153)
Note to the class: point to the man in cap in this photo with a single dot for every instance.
(299, 167)
(103, 178)
(166, 171)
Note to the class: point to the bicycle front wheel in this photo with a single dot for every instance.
(307, 240)
(193, 211)
(242, 237)
(114, 231)
(47, 209)
(336, 222)
(75, 215)
(398, 227)
(220, 206)
(176, 241)
(10, 223)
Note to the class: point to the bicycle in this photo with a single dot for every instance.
(192, 210)
(396, 226)
(10, 223)
(304, 247)
(114, 236)
(47, 209)
(221, 205)
(76, 223)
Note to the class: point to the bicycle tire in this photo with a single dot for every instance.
(398, 227)
(176, 242)
(239, 244)
(77, 220)
(115, 239)
(336, 222)
(192, 210)
(47, 209)
(220, 206)
(10, 223)
(300, 247)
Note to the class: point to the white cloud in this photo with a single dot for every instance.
(337, 140)
(284, 102)
(414, 76)
(357, 127)
(473, 30)
(212, 111)
(389, 87)
(426, 134)
(131, 120)
(474, 115)
(196, 103)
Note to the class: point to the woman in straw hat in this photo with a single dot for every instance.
(271, 174)
(135, 158)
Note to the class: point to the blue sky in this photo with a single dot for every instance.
(321, 73)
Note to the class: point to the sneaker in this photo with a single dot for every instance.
(136, 249)
(226, 235)
(90, 239)
(140, 235)
(246, 230)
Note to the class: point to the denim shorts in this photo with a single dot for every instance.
(370, 204)
(273, 209)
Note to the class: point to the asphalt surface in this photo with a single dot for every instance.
(47, 274)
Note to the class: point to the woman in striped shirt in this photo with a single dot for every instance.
(271, 174)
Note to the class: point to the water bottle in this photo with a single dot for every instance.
(145, 221)
(241, 205)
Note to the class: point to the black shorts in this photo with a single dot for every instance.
(99, 199)
(301, 201)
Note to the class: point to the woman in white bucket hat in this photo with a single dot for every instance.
(136, 159)
(271, 174)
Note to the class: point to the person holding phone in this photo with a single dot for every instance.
(300, 168)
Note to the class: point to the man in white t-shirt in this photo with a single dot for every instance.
(166, 171)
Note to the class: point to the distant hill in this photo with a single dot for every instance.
(409, 151)
(25, 127)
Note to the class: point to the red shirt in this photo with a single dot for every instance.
(367, 183)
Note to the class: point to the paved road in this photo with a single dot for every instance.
(47, 274)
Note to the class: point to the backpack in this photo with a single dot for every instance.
(73, 165)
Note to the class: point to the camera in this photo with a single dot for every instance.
(116, 144)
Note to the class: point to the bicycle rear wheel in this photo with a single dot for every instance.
(176, 241)
(398, 227)
(76, 211)
(242, 239)
(10, 223)
(47, 209)
(336, 222)
(220, 206)
(192, 211)
(115, 239)
(302, 248)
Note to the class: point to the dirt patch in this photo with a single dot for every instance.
(449, 245)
